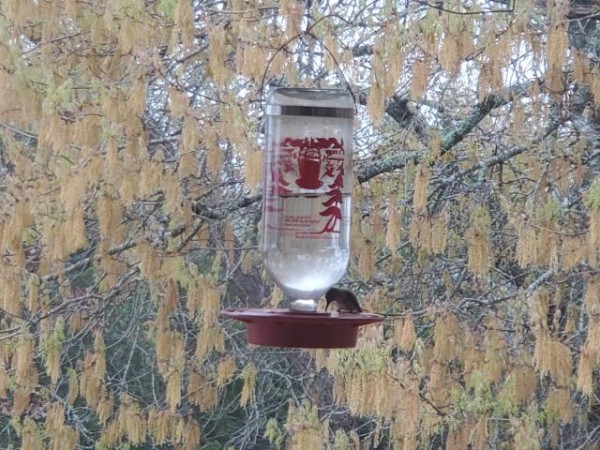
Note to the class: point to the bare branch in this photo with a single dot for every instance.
(455, 134)
(451, 136)
(538, 282)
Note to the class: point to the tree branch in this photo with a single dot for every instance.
(450, 136)
(389, 164)
(458, 132)
(398, 109)
(503, 157)
(538, 282)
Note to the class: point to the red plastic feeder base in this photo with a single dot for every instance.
(285, 328)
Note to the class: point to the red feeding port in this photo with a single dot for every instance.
(285, 328)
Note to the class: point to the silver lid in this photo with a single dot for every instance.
(312, 111)
(302, 102)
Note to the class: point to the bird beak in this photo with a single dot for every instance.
(327, 306)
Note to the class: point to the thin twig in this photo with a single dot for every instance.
(439, 6)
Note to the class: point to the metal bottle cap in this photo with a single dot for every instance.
(333, 103)
(313, 111)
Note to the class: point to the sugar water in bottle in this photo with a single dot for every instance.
(307, 186)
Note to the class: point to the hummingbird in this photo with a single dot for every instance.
(346, 301)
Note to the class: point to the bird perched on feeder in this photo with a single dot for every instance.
(345, 300)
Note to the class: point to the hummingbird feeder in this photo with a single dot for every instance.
(306, 218)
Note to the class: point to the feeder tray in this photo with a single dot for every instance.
(285, 328)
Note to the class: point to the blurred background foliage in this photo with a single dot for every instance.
(130, 171)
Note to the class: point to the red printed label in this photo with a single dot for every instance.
(305, 186)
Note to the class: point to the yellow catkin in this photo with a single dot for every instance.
(547, 253)
(573, 251)
(406, 423)
(414, 231)
(556, 46)
(525, 383)
(458, 437)
(131, 420)
(128, 188)
(592, 296)
(193, 298)
(446, 337)
(171, 298)
(480, 250)
(420, 188)
(387, 404)
(150, 263)
(55, 418)
(405, 334)
(76, 238)
(225, 370)
(439, 387)
(73, 191)
(559, 406)
(580, 66)
(111, 433)
(104, 409)
(449, 54)
(209, 338)
(439, 229)
(73, 391)
(4, 380)
(178, 430)
(376, 102)
(137, 97)
(591, 347)
(252, 62)
(593, 236)
(172, 193)
(554, 358)
(393, 229)
(21, 401)
(184, 19)
(150, 178)
(585, 370)
(395, 59)
(188, 163)
(253, 164)
(109, 215)
(214, 153)
(190, 138)
(112, 166)
(11, 296)
(248, 376)
(247, 260)
(420, 78)
(177, 341)
(100, 354)
(229, 241)
(366, 261)
(153, 431)
(163, 343)
(202, 392)
(173, 396)
(88, 384)
(25, 373)
(594, 85)
(52, 362)
(217, 50)
(31, 436)
(494, 356)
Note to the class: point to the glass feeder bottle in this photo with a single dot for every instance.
(307, 187)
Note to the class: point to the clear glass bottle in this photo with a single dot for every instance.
(307, 186)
